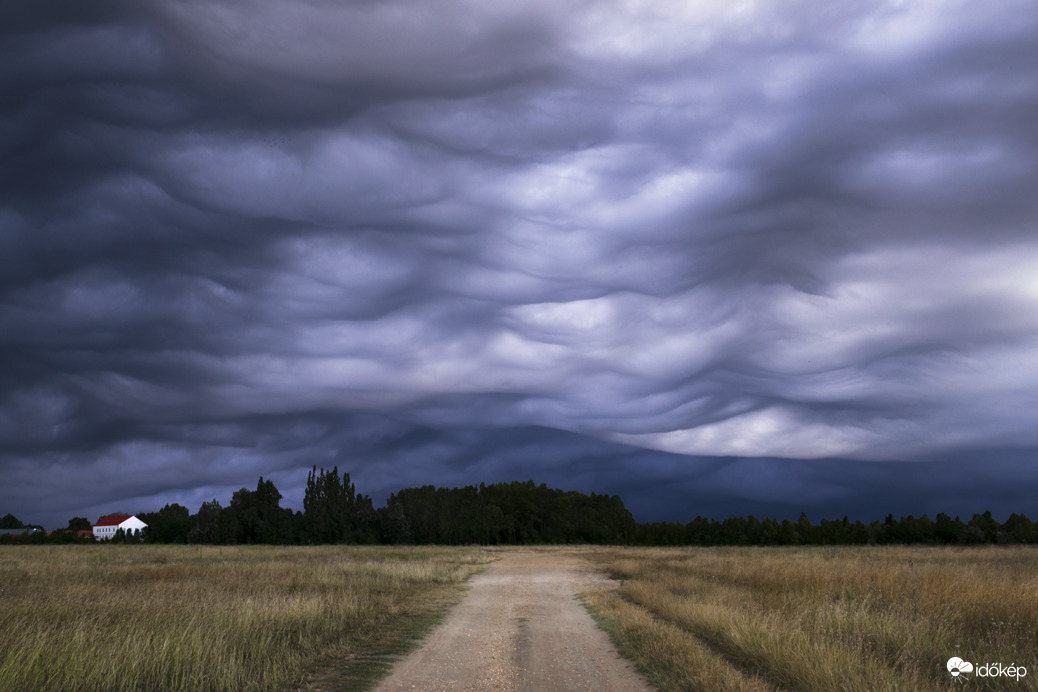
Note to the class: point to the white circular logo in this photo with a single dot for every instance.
(956, 666)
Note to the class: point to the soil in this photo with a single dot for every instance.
(521, 627)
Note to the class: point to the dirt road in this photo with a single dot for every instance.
(520, 628)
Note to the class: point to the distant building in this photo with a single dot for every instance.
(106, 527)
(27, 531)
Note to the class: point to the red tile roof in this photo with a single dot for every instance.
(112, 521)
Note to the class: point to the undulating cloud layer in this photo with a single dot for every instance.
(607, 245)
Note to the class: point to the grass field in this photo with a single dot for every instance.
(267, 618)
(215, 618)
(825, 619)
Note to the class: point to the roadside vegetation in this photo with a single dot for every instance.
(821, 618)
(120, 617)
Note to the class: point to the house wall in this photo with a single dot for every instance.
(133, 524)
(128, 526)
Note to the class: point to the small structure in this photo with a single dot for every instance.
(106, 527)
(27, 531)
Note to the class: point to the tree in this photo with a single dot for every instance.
(79, 524)
(393, 527)
(947, 530)
(171, 524)
(9, 521)
(207, 524)
(1020, 528)
(987, 524)
(333, 512)
(805, 530)
(971, 535)
(255, 516)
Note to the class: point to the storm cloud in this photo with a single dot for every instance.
(673, 250)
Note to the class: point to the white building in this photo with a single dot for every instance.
(106, 527)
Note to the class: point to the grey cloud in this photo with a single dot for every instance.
(384, 456)
(781, 233)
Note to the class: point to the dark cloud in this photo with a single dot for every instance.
(657, 250)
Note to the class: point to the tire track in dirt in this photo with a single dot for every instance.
(520, 628)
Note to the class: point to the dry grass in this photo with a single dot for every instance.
(670, 657)
(209, 618)
(877, 618)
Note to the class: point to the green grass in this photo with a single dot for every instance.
(216, 618)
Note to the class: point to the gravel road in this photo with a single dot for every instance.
(520, 628)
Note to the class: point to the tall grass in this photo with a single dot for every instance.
(848, 618)
(207, 618)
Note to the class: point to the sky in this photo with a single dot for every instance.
(719, 258)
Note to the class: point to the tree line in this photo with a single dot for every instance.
(516, 513)
(942, 530)
(334, 512)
